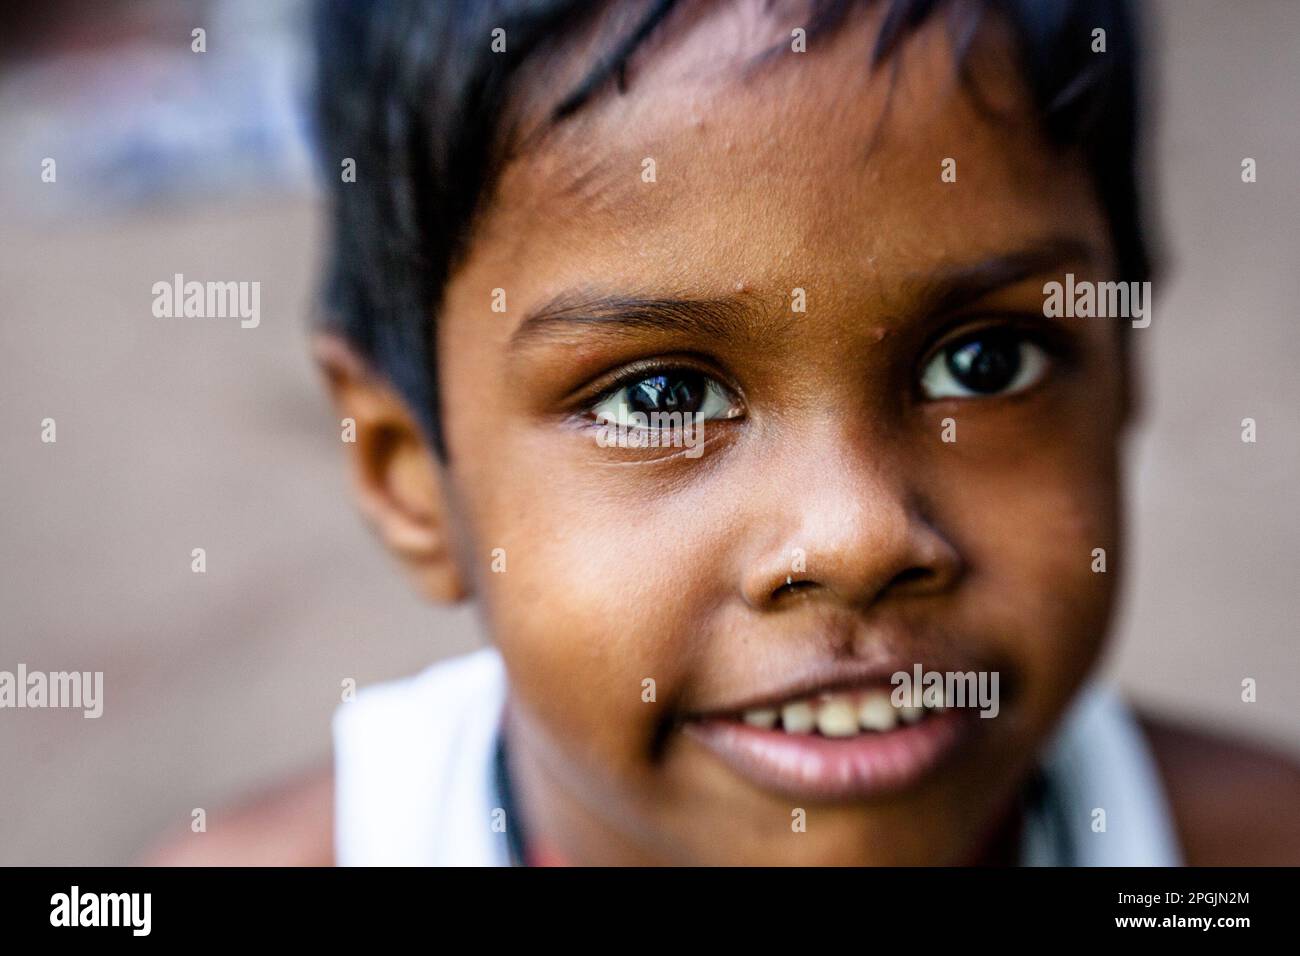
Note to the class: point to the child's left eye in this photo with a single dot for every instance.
(993, 362)
(683, 391)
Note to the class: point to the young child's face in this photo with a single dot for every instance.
(824, 460)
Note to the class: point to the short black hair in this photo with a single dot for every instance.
(413, 92)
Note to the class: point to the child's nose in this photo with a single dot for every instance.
(853, 532)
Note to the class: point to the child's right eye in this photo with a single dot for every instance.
(987, 363)
(684, 391)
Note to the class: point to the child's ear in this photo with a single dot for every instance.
(398, 483)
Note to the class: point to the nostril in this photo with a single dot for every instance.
(910, 576)
(792, 587)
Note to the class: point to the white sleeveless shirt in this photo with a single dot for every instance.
(414, 766)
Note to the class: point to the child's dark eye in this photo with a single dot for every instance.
(683, 391)
(993, 362)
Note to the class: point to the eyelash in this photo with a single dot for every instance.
(639, 371)
(1055, 344)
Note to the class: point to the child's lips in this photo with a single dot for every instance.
(809, 764)
(835, 732)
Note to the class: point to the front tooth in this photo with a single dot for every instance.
(798, 718)
(837, 718)
(764, 717)
(909, 714)
(875, 712)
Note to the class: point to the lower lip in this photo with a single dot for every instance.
(809, 765)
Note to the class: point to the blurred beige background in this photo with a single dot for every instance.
(176, 434)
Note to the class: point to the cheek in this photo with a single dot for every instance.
(561, 611)
(1029, 517)
(591, 612)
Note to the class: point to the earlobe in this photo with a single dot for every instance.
(396, 477)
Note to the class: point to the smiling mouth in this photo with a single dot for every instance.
(838, 715)
(837, 745)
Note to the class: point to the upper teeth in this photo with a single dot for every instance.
(798, 718)
(837, 715)
(876, 712)
(837, 718)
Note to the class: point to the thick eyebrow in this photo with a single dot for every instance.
(949, 288)
(574, 312)
(939, 291)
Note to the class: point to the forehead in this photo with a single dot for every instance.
(794, 169)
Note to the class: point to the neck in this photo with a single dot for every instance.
(554, 825)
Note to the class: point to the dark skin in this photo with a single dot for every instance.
(627, 564)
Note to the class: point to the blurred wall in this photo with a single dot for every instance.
(176, 434)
